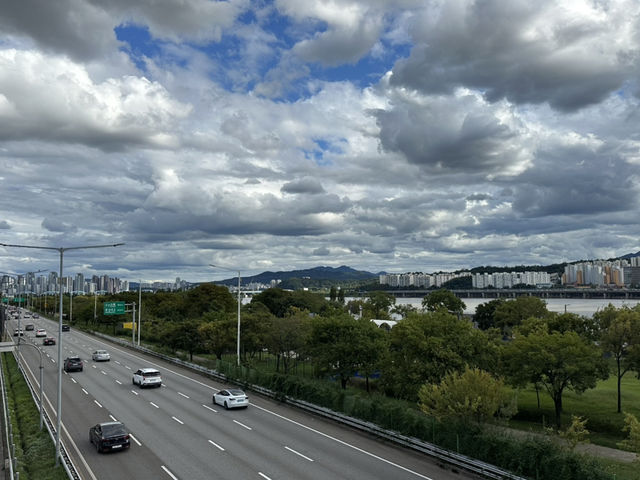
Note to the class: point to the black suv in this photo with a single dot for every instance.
(109, 436)
(65, 327)
(72, 364)
(30, 326)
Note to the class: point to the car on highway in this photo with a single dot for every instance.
(73, 364)
(231, 398)
(147, 377)
(65, 327)
(100, 356)
(49, 341)
(29, 327)
(41, 332)
(109, 436)
(18, 332)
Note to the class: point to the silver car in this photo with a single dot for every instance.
(101, 356)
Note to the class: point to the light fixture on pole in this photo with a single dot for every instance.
(238, 342)
(61, 251)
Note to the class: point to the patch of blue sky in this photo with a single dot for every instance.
(324, 146)
(139, 43)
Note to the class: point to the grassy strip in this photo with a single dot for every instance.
(34, 450)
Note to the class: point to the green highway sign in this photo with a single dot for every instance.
(113, 308)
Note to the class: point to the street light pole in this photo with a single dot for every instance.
(61, 251)
(239, 300)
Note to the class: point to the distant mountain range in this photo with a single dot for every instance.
(326, 276)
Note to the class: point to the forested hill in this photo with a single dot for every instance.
(316, 277)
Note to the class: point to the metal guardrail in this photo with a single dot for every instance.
(463, 462)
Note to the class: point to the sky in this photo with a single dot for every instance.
(385, 135)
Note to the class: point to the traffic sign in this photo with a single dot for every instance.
(113, 308)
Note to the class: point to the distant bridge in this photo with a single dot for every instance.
(507, 293)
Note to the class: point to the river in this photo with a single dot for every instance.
(581, 306)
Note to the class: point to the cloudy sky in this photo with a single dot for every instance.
(397, 135)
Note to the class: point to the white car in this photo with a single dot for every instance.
(41, 332)
(147, 377)
(101, 356)
(232, 398)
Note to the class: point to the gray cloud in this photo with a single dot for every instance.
(302, 186)
(521, 52)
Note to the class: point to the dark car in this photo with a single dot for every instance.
(109, 436)
(30, 326)
(72, 364)
(49, 341)
(65, 327)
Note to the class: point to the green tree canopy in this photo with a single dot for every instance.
(377, 305)
(512, 312)
(558, 361)
(484, 316)
(424, 347)
(342, 346)
(287, 336)
(443, 299)
(621, 338)
(472, 394)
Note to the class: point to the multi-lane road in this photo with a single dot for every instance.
(178, 433)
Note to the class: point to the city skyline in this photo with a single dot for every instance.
(282, 135)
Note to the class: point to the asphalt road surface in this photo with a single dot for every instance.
(179, 434)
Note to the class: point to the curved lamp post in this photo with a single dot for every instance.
(230, 270)
(61, 251)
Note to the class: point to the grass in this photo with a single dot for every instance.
(598, 406)
(34, 450)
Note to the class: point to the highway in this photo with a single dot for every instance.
(179, 434)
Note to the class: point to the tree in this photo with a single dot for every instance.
(621, 336)
(424, 347)
(511, 313)
(470, 395)
(208, 297)
(184, 336)
(333, 293)
(443, 299)
(342, 346)
(378, 304)
(218, 332)
(287, 337)
(557, 361)
(484, 316)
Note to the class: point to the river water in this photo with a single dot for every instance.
(581, 306)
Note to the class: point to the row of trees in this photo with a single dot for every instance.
(518, 341)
